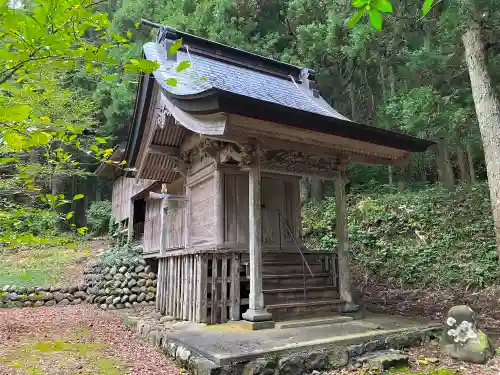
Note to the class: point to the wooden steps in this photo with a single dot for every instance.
(296, 294)
(283, 284)
(295, 280)
(300, 309)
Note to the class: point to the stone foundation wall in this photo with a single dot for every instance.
(122, 285)
(14, 296)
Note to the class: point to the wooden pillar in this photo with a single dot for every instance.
(163, 226)
(130, 233)
(219, 206)
(256, 311)
(343, 246)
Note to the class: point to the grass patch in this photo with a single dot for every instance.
(64, 356)
(38, 265)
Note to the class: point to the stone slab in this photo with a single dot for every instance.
(229, 343)
(256, 326)
(313, 322)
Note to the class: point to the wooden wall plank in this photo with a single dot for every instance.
(204, 289)
(223, 289)
(202, 212)
(234, 312)
(214, 297)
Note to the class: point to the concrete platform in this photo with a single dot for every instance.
(230, 343)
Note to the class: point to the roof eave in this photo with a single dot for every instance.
(222, 101)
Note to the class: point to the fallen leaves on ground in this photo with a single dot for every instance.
(74, 340)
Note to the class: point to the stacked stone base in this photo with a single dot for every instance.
(125, 284)
(14, 296)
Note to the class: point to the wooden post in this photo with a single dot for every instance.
(130, 233)
(234, 312)
(343, 246)
(219, 206)
(256, 311)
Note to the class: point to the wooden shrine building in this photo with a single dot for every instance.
(217, 160)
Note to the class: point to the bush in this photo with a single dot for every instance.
(422, 237)
(121, 253)
(98, 217)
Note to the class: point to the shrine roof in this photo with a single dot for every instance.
(223, 79)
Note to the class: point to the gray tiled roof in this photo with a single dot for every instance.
(234, 79)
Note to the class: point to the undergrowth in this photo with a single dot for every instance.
(37, 266)
(422, 237)
(121, 253)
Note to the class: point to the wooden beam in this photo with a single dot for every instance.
(191, 142)
(164, 150)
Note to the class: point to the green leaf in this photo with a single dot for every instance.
(171, 82)
(82, 230)
(183, 65)
(7, 160)
(175, 47)
(376, 19)
(14, 112)
(100, 140)
(384, 6)
(141, 65)
(359, 3)
(38, 139)
(69, 215)
(13, 140)
(78, 196)
(109, 78)
(51, 197)
(356, 17)
(427, 7)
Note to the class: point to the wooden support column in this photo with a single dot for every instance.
(219, 206)
(130, 233)
(343, 246)
(256, 311)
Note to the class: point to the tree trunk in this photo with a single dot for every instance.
(316, 190)
(401, 179)
(470, 162)
(462, 165)
(445, 169)
(352, 99)
(304, 191)
(488, 114)
(392, 81)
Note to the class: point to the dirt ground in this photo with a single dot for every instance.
(74, 340)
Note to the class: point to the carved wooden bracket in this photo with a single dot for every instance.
(299, 163)
(229, 153)
(163, 117)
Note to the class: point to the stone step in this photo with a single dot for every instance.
(296, 294)
(311, 322)
(297, 309)
(295, 280)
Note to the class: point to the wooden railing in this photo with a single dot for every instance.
(200, 287)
